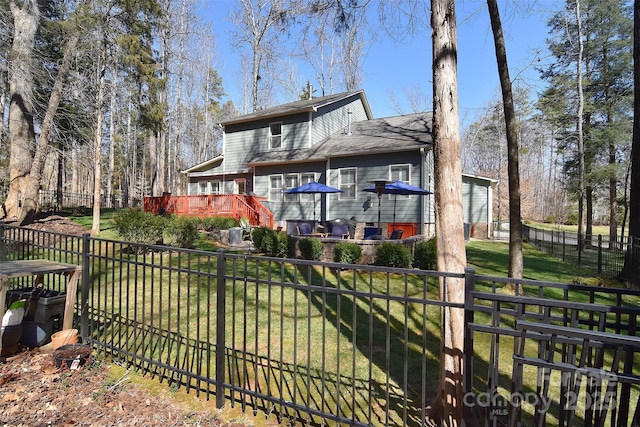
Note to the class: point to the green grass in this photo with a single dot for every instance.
(291, 324)
(492, 258)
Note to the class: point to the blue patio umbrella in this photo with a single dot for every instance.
(398, 187)
(313, 187)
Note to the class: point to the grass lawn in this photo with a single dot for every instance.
(301, 328)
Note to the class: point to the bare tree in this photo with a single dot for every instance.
(451, 254)
(260, 24)
(515, 217)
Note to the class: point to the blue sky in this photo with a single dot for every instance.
(392, 67)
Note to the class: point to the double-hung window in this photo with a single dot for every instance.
(275, 188)
(306, 178)
(275, 135)
(400, 173)
(290, 181)
(347, 183)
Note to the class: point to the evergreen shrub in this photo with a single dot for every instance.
(393, 255)
(136, 226)
(310, 248)
(424, 255)
(347, 253)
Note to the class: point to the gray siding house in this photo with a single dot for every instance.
(335, 140)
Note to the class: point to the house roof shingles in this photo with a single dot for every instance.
(391, 134)
(297, 107)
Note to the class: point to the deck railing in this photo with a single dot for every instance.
(315, 343)
(207, 205)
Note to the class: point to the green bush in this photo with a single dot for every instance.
(275, 244)
(393, 255)
(136, 226)
(310, 248)
(257, 235)
(549, 219)
(216, 223)
(347, 253)
(424, 255)
(183, 231)
(572, 219)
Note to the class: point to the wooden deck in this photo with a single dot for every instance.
(231, 205)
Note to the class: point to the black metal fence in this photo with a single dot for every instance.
(597, 253)
(52, 200)
(315, 343)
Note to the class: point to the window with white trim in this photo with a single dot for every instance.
(290, 181)
(215, 187)
(347, 183)
(306, 178)
(275, 188)
(203, 187)
(275, 135)
(400, 173)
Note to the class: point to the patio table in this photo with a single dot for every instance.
(36, 267)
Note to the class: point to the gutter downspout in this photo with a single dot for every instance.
(327, 182)
(423, 169)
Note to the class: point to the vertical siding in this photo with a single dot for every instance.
(334, 118)
(475, 199)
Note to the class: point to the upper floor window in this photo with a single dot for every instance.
(347, 183)
(275, 188)
(275, 131)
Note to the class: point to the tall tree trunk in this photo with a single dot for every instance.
(32, 188)
(21, 130)
(451, 255)
(112, 136)
(631, 262)
(579, 132)
(513, 168)
(97, 143)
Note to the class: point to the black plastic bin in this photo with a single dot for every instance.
(42, 304)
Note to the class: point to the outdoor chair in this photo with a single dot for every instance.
(246, 228)
(340, 231)
(304, 229)
(396, 235)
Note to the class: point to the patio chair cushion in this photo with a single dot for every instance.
(304, 229)
(339, 230)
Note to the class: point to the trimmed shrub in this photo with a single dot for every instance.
(216, 223)
(134, 225)
(273, 243)
(184, 231)
(393, 255)
(424, 255)
(310, 248)
(347, 253)
(257, 235)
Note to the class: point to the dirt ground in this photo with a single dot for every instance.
(34, 392)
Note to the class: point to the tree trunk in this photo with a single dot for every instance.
(451, 255)
(97, 143)
(21, 130)
(579, 132)
(32, 188)
(631, 262)
(513, 168)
